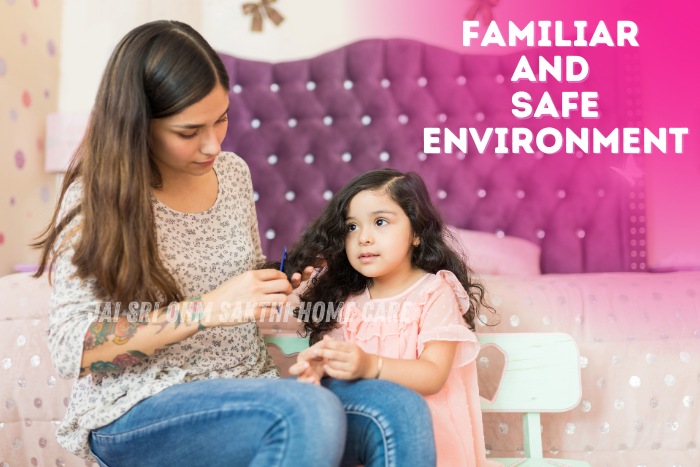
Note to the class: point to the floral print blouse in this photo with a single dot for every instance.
(201, 250)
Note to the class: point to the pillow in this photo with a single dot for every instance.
(490, 254)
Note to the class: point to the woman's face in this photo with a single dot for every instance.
(188, 142)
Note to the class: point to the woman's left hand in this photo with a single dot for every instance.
(298, 279)
(345, 360)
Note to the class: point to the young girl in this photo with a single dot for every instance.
(408, 304)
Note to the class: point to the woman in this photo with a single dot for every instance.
(151, 213)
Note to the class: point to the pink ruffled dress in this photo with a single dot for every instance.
(399, 327)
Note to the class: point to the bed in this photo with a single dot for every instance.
(558, 240)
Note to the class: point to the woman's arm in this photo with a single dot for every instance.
(345, 360)
(83, 338)
(112, 344)
(82, 341)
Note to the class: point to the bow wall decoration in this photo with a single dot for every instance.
(482, 8)
(256, 11)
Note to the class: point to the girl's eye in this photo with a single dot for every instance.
(380, 222)
(351, 227)
(190, 136)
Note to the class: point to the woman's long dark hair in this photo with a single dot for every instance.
(157, 70)
(323, 244)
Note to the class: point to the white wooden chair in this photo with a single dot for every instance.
(541, 374)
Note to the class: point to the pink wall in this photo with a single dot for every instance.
(29, 56)
(666, 72)
(670, 69)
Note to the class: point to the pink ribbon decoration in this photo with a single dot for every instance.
(256, 9)
(273, 14)
(482, 8)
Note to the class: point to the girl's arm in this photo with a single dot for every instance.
(427, 375)
(309, 365)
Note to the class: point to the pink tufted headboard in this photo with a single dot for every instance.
(306, 127)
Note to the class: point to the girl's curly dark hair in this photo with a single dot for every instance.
(323, 244)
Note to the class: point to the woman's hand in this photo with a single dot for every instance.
(299, 279)
(345, 360)
(244, 297)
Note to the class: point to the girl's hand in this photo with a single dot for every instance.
(345, 360)
(309, 365)
(244, 297)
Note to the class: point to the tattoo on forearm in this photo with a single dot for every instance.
(125, 330)
(100, 332)
(186, 314)
(121, 331)
(97, 334)
(120, 362)
(161, 326)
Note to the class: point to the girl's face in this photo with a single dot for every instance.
(379, 240)
(188, 142)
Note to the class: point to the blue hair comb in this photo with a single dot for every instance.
(284, 258)
(282, 261)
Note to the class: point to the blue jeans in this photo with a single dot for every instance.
(388, 424)
(277, 422)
